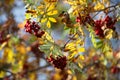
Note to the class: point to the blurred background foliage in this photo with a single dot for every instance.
(21, 59)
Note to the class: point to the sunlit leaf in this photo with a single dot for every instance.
(108, 33)
(53, 12)
(80, 65)
(41, 12)
(2, 74)
(43, 20)
(72, 55)
(52, 19)
(27, 16)
(81, 49)
(81, 57)
(50, 7)
(74, 78)
(3, 45)
(48, 24)
(8, 55)
(48, 37)
(99, 6)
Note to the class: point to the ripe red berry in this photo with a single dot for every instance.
(33, 28)
(78, 19)
(115, 69)
(101, 25)
(109, 22)
(59, 62)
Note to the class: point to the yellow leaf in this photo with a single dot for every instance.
(81, 49)
(8, 55)
(48, 37)
(43, 20)
(3, 45)
(40, 7)
(41, 12)
(2, 74)
(27, 16)
(69, 72)
(80, 65)
(20, 63)
(53, 12)
(108, 33)
(72, 55)
(52, 19)
(51, 1)
(21, 48)
(99, 6)
(74, 78)
(81, 57)
(51, 48)
(51, 7)
(48, 24)
(73, 49)
(33, 76)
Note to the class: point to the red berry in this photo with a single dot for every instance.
(59, 62)
(78, 19)
(109, 22)
(33, 28)
(115, 69)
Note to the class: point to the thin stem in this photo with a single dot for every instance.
(39, 68)
(107, 7)
(68, 40)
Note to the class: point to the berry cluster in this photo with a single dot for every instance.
(115, 69)
(101, 25)
(33, 28)
(59, 62)
(98, 28)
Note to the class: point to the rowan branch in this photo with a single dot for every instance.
(39, 68)
(113, 6)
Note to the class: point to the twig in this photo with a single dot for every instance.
(39, 68)
(68, 40)
(107, 7)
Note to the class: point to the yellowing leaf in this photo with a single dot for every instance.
(33, 76)
(99, 6)
(3, 45)
(27, 16)
(108, 33)
(69, 72)
(48, 24)
(21, 49)
(48, 37)
(81, 57)
(8, 55)
(74, 78)
(52, 19)
(80, 65)
(40, 7)
(51, 48)
(81, 49)
(51, 7)
(2, 74)
(43, 20)
(72, 55)
(41, 12)
(20, 63)
(53, 12)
